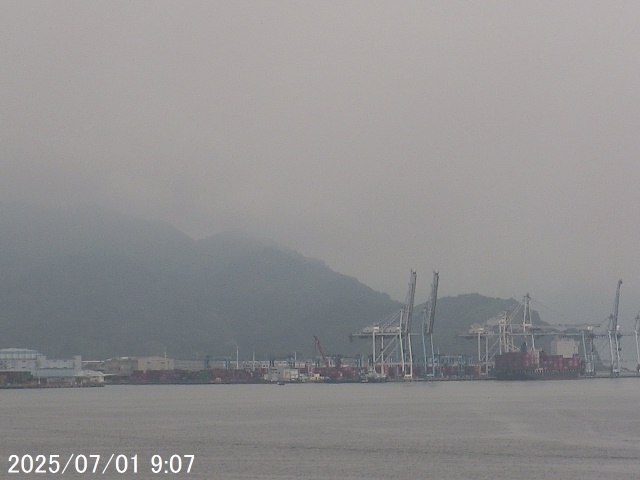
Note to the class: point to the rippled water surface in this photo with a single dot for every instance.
(586, 429)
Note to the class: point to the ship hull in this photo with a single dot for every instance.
(524, 375)
(536, 365)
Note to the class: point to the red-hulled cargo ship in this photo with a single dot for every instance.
(536, 365)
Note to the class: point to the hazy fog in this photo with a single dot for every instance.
(496, 141)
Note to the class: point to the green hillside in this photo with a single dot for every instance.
(101, 284)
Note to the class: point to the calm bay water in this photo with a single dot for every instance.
(585, 430)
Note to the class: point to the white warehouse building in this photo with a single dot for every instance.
(32, 361)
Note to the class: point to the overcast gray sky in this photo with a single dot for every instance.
(496, 141)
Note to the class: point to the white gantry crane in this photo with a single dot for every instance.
(391, 339)
(498, 334)
(502, 334)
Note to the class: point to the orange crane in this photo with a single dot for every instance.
(321, 352)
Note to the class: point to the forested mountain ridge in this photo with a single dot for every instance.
(101, 284)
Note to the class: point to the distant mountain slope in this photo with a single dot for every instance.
(101, 284)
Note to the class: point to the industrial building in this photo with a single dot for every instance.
(36, 367)
(125, 366)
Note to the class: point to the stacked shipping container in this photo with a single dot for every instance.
(536, 365)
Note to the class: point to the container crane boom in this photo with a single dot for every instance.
(406, 317)
(428, 319)
(406, 314)
(614, 335)
(431, 311)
